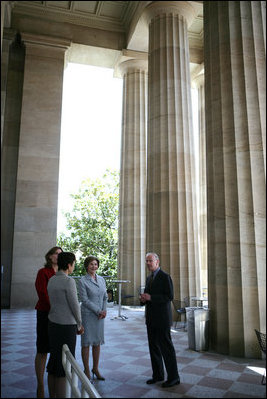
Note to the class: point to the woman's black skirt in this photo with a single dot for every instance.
(42, 340)
(60, 334)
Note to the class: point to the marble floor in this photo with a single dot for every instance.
(125, 362)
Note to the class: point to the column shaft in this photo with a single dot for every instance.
(35, 225)
(198, 83)
(12, 85)
(235, 103)
(171, 199)
(131, 254)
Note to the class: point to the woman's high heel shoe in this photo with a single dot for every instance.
(98, 376)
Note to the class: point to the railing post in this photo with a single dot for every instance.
(74, 380)
(68, 385)
(73, 375)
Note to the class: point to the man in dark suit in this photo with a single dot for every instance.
(157, 297)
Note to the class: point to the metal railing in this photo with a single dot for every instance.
(73, 375)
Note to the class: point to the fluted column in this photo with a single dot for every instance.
(3, 6)
(6, 7)
(12, 73)
(5, 54)
(35, 224)
(132, 213)
(171, 191)
(235, 95)
(198, 83)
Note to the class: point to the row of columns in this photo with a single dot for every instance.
(231, 169)
(158, 210)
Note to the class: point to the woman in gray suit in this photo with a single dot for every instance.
(93, 296)
(64, 321)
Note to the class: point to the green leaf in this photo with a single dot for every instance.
(92, 224)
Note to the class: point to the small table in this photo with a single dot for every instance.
(199, 299)
(120, 316)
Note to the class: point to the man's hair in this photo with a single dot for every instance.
(153, 254)
(64, 259)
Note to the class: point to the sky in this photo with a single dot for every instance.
(90, 129)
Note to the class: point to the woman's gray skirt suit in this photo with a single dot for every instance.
(93, 297)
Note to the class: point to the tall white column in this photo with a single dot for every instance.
(171, 191)
(35, 225)
(198, 83)
(235, 97)
(132, 214)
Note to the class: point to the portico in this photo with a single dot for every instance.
(159, 49)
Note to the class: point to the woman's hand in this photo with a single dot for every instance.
(102, 314)
(80, 331)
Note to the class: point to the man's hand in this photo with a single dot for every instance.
(145, 297)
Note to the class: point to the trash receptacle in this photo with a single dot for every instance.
(198, 328)
(110, 295)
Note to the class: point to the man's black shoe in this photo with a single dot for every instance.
(153, 381)
(171, 383)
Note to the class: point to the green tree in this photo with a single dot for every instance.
(93, 223)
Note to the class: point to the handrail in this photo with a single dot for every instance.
(73, 374)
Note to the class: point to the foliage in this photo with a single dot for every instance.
(93, 224)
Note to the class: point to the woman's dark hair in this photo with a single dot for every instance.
(64, 259)
(51, 251)
(88, 260)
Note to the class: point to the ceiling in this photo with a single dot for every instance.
(98, 29)
(110, 15)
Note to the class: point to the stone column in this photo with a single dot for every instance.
(235, 95)
(35, 224)
(198, 83)
(5, 54)
(12, 72)
(6, 7)
(132, 214)
(171, 192)
(3, 6)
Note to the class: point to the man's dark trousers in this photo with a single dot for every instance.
(161, 346)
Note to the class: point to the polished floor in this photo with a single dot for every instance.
(125, 362)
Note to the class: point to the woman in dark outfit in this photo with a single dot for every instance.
(42, 308)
